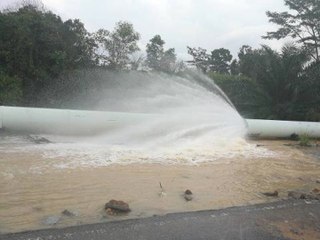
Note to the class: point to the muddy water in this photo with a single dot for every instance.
(33, 195)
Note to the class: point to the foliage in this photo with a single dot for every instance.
(118, 45)
(304, 140)
(302, 23)
(36, 46)
(243, 92)
(10, 90)
(200, 58)
(282, 86)
(218, 61)
(159, 59)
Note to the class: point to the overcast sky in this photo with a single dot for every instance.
(209, 24)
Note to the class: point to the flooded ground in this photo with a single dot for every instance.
(34, 189)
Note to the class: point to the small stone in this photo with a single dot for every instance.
(318, 181)
(188, 195)
(188, 192)
(316, 190)
(271, 194)
(117, 206)
(67, 213)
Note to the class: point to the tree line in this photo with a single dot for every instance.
(39, 52)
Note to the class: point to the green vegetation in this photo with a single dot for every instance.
(157, 58)
(304, 140)
(47, 62)
(282, 85)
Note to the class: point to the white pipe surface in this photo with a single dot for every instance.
(62, 121)
(282, 129)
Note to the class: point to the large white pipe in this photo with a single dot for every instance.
(61, 121)
(282, 129)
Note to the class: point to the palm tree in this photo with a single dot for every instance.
(278, 78)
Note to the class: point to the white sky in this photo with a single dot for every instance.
(209, 24)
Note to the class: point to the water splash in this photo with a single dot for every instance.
(186, 110)
(188, 120)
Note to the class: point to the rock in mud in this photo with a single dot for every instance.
(67, 213)
(271, 194)
(188, 196)
(318, 181)
(114, 207)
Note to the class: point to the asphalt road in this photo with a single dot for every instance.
(280, 220)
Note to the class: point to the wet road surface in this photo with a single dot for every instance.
(296, 219)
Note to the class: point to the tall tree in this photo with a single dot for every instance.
(155, 52)
(37, 46)
(117, 46)
(200, 58)
(279, 81)
(82, 54)
(302, 23)
(219, 60)
(158, 58)
(234, 67)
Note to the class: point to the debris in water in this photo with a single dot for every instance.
(67, 213)
(162, 192)
(271, 194)
(188, 195)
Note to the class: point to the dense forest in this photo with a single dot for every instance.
(45, 60)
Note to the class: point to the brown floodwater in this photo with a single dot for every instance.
(33, 192)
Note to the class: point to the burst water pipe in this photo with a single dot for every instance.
(78, 122)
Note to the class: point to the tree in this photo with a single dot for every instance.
(155, 52)
(302, 23)
(118, 45)
(159, 59)
(37, 46)
(234, 67)
(168, 60)
(248, 60)
(279, 80)
(219, 60)
(82, 54)
(200, 58)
